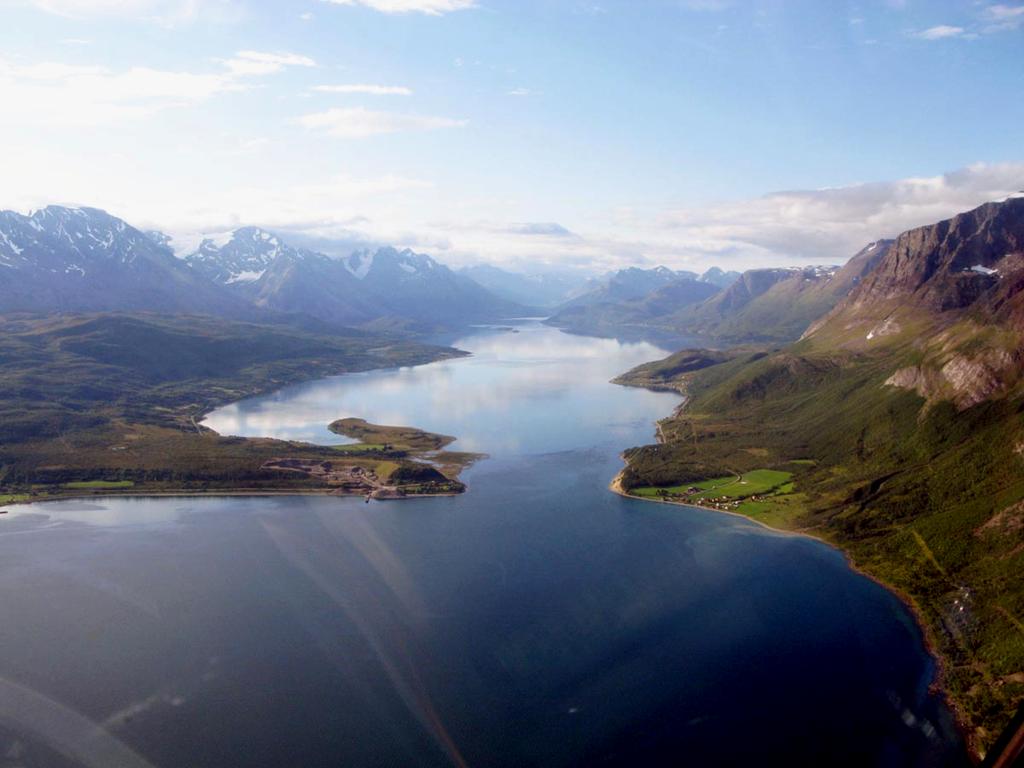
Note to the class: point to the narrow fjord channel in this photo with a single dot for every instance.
(537, 619)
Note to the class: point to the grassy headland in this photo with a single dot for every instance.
(110, 404)
(922, 496)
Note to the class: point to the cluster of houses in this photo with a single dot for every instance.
(717, 502)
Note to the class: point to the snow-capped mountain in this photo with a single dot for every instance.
(415, 286)
(84, 259)
(718, 276)
(366, 286)
(389, 264)
(242, 259)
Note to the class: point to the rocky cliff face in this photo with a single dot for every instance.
(946, 301)
(949, 265)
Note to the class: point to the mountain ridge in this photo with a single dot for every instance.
(61, 259)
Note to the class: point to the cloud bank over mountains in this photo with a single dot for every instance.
(197, 117)
(796, 227)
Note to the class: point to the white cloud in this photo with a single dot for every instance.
(1004, 12)
(430, 7)
(358, 122)
(1001, 18)
(830, 225)
(801, 227)
(60, 94)
(823, 226)
(706, 5)
(167, 12)
(990, 19)
(519, 92)
(54, 93)
(262, 63)
(941, 32)
(322, 208)
(538, 228)
(367, 88)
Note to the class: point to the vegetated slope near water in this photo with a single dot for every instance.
(101, 398)
(901, 415)
(774, 305)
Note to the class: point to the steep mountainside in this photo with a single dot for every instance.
(623, 285)
(772, 305)
(901, 416)
(83, 259)
(243, 259)
(416, 286)
(951, 293)
(399, 289)
(300, 281)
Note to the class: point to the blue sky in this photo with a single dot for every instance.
(591, 133)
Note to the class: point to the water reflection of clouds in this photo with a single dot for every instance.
(536, 390)
(118, 512)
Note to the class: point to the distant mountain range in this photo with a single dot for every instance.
(544, 290)
(83, 260)
(760, 305)
(634, 283)
(379, 287)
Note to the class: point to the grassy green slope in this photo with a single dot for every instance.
(670, 373)
(781, 313)
(59, 375)
(927, 499)
(113, 400)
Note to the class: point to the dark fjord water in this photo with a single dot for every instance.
(536, 620)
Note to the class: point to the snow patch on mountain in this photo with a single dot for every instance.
(359, 264)
(246, 277)
(242, 258)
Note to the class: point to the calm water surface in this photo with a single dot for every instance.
(536, 620)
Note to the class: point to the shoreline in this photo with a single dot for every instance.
(183, 493)
(937, 686)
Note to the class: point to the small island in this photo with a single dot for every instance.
(387, 462)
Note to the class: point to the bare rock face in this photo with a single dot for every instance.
(966, 381)
(950, 296)
(976, 380)
(1006, 521)
(949, 265)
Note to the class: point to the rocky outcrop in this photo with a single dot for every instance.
(948, 265)
(966, 381)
